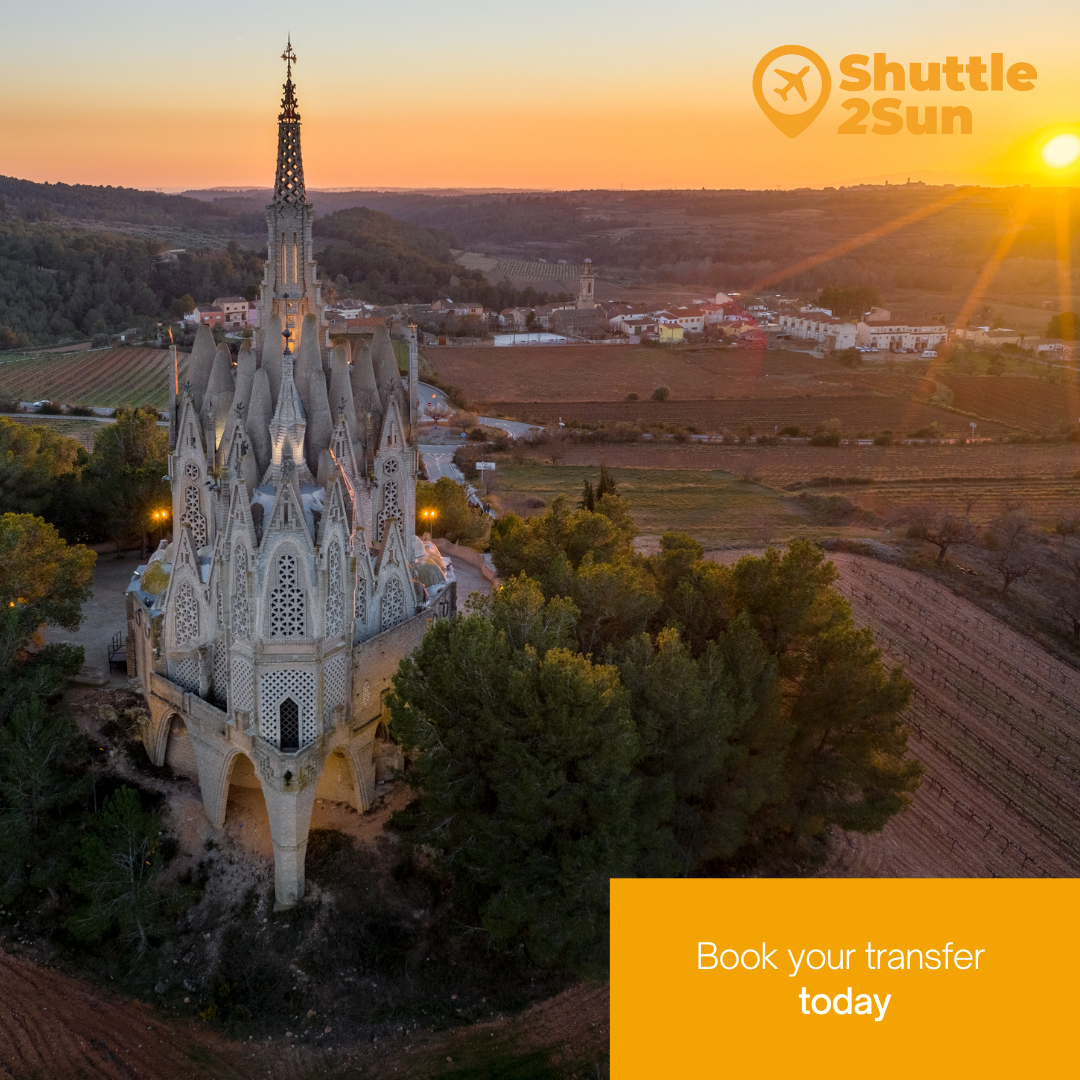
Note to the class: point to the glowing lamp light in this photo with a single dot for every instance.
(1061, 151)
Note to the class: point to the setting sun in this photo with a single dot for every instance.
(1061, 151)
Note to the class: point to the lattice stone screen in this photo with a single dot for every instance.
(390, 502)
(242, 686)
(239, 597)
(335, 686)
(221, 672)
(393, 604)
(274, 688)
(185, 673)
(287, 601)
(186, 615)
(360, 600)
(335, 596)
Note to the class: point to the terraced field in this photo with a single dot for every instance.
(110, 377)
(995, 722)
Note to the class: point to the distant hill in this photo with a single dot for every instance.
(470, 219)
(85, 202)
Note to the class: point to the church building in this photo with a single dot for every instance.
(267, 630)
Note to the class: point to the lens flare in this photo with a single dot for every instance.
(1061, 151)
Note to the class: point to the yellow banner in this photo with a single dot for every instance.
(838, 977)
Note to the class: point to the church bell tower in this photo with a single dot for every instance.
(290, 282)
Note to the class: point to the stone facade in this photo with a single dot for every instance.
(267, 630)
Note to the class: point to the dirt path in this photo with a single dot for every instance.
(996, 723)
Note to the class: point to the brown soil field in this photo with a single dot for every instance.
(1024, 402)
(799, 463)
(55, 1027)
(996, 724)
(1045, 500)
(867, 414)
(610, 372)
(121, 376)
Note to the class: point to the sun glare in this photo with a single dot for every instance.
(1061, 151)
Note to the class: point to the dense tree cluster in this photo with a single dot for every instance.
(107, 495)
(609, 714)
(88, 202)
(845, 302)
(93, 859)
(61, 282)
(379, 258)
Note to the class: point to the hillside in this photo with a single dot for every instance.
(378, 257)
(86, 202)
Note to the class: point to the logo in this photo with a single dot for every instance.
(790, 91)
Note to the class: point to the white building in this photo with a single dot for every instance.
(879, 330)
(815, 325)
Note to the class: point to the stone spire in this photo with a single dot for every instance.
(387, 376)
(199, 364)
(289, 181)
(271, 357)
(366, 399)
(245, 375)
(260, 412)
(341, 397)
(311, 382)
(288, 427)
(218, 399)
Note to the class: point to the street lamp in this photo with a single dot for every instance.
(429, 517)
(159, 517)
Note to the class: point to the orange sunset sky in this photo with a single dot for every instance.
(484, 94)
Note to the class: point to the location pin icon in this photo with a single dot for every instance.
(792, 124)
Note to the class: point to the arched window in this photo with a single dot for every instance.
(289, 718)
(393, 604)
(287, 601)
(335, 593)
(186, 615)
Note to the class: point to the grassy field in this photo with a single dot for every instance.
(716, 508)
(91, 377)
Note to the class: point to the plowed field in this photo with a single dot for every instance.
(996, 723)
(794, 463)
(868, 413)
(96, 377)
(55, 1027)
(1028, 403)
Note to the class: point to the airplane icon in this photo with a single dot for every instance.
(794, 82)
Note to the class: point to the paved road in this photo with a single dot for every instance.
(514, 428)
(439, 461)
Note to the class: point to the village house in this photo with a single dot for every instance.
(881, 330)
(234, 310)
(1049, 348)
(817, 325)
(985, 335)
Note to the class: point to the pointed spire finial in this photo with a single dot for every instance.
(289, 57)
(289, 182)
